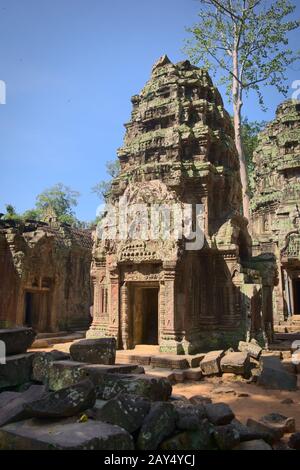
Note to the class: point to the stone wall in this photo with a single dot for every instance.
(275, 205)
(44, 272)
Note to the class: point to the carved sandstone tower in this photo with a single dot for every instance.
(178, 149)
(276, 207)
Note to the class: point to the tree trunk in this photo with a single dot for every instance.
(237, 118)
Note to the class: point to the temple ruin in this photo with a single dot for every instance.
(179, 149)
(276, 206)
(44, 272)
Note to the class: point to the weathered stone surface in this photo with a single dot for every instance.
(257, 444)
(13, 404)
(189, 417)
(200, 400)
(224, 390)
(169, 362)
(246, 433)
(17, 340)
(95, 371)
(66, 402)
(146, 386)
(219, 413)
(271, 432)
(62, 374)
(236, 363)
(278, 421)
(64, 434)
(127, 411)
(41, 362)
(202, 439)
(274, 376)
(16, 371)
(94, 351)
(194, 374)
(226, 437)
(210, 364)
(253, 349)
(158, 425)
(294, 441)
(54, 260)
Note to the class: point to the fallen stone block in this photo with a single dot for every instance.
(195, 360)
(41, 362)
(63, 374)
(179, 375)
(194, 374)
(252, 348)
(158, 425)
(66, 434)
(94, 351)
(189, 417)
(65, 402)
(202, 439)
(210, 364)
(12, 404)
(200, 400)
(278, 421)
(95, 371)
(127, 411)
(219, 413)
(17, 340)
(227, 437)
(271, 433)
(294, 441)
(169, 362)
(17, 370)
(273, 376)
(237, 363)
(258, 444)
(146, 386)
(246, 433)
(224, 390)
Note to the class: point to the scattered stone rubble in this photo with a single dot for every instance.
(59, 403)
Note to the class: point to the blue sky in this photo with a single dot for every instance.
(70, 67)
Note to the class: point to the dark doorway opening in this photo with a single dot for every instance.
(296, 296)
(145, 315)
(150, 316)
(28, 309)
(36, 310)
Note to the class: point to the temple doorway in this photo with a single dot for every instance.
(296, 296)
(145, 323)
(36, 310)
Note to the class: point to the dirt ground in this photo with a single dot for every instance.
(259, 401)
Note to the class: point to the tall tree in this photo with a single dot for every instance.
(246, 41)
(62, 199)
(103, 187)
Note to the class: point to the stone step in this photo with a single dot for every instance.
(48, 342)
(56, 334)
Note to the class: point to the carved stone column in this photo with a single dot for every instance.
(99, 325)
(124, 327)
(113, 303)
(170, 337)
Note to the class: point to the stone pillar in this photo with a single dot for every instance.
(99, 325)
(171, 339)
(113, 303)
(124, 316)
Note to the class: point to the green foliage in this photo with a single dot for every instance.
(102, 188)
(60, 197)
(257, 30)
(250, 131)
(11, 213)
(32, 214)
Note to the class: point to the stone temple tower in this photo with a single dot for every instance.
(178, 150)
